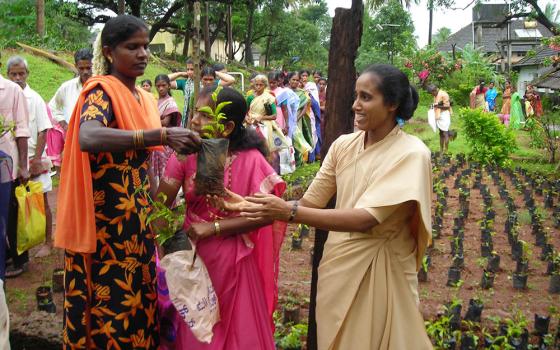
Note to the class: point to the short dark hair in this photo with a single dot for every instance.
(207, 71)
(395, 88)
(146, 81)
(85, 54)
(121, 28)
(304, 71)
(218, 67)
(241, 138)
(431, 88)
(189, 61)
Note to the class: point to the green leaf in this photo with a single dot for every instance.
(206, 109)
(220, 106)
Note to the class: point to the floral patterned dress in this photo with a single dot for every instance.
(111, 295)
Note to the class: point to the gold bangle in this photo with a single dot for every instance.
(217, 230)
(141, 139)
(135, 139)
(163, 135)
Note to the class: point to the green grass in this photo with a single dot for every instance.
(44, 76)
(526, 157)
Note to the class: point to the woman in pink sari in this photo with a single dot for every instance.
(170, 116)
(241, 255)
(55, 140)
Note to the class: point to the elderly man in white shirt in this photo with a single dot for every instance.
(63, 102)
(39, 123)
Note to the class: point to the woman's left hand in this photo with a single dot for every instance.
(201, 230)
(266, 206)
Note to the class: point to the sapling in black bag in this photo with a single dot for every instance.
(210, 164)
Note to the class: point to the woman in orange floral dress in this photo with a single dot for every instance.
(110, 268)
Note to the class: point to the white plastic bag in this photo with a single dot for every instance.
(191, 292)
(287, 158)
(432, 119)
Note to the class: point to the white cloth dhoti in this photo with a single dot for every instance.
(444, 120)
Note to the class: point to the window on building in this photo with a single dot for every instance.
(528, 33)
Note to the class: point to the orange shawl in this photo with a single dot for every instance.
(75, 224)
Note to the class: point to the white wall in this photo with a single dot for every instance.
(526, 75)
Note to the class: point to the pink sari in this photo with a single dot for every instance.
(55, 140)
(166, 106)
(243, 268)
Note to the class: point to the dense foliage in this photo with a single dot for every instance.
(62, 31)
(388, 35)
(490, 141)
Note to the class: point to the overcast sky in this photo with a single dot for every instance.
(452, 19)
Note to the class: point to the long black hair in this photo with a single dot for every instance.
(121, 28)
(240, 138)
(395, 88)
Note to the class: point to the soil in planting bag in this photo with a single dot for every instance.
(210, 165)
(179, 241)
(191, 292)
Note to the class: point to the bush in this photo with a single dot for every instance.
(489, 140)
(62, 32)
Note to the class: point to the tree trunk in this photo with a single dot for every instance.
(207, 45)
(135, 7)
(267, 51)
(214, 34)
(346, 35)
(196, 48)
(186, 43)
(431, 8)
(40, 8)
(176, 6)
(249, 37)
(187, 39)
(229, 35)
(121, 7)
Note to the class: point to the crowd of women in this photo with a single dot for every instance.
(284, 108)
(115, 293)
(515, 110)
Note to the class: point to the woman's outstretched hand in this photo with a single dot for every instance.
(266, 206)
(258, 206)
(182, 140)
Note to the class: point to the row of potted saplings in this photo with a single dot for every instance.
(441, 192)
(518, 338)
(457, 239)
(520, 249)
(542, 186)
(548, 189)
(511, 333)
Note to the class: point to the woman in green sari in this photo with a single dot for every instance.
(303, 116)
(516, 113)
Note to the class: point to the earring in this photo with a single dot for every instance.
(110, 59)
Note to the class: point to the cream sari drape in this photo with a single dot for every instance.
(367, 293)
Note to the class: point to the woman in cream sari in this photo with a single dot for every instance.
(262, 114)
(367, 296)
